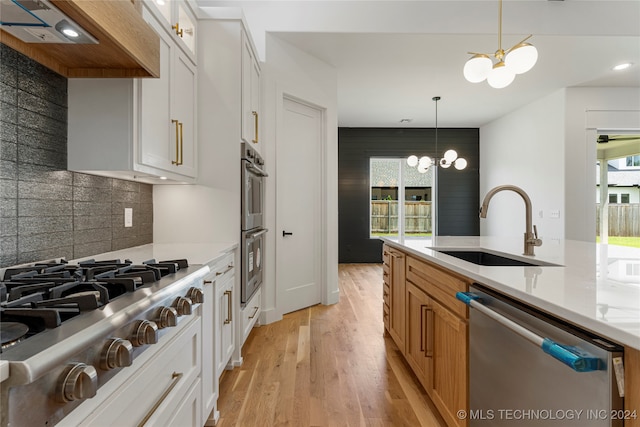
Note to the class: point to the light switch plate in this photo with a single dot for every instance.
(128, 217)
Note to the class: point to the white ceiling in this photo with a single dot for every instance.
(392, 57)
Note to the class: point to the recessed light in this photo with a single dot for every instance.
(406, 120)
(623, 66)
(70, 32)
(163, 177)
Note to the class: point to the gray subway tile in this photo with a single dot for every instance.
(86, 250)
(8, 259)
(39, 105)
(88, 236)
(8, 74)
(87, 222)
(8, 208)
(31, 120)
(39, 173)
(30, 155)
(56, 94)
(8, 93)
(128, 242)
(8, 151)
(40, 140)
(92, 181)
(44, 191)
(8, 189)
(35, 242)
(33, 207)
(91, 208)
(123, 185)
(126, 197)
(8, 132)
(8, 169)
(89, 194)
(45, 254)
(8, 226)
(8, 244)
(44, 224)
(8, 113)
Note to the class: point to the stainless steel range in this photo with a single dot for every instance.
(68, 329)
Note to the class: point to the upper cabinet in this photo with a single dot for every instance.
(127, 46)
(250, 92)
(229, 101)
(138, 129)
(179, 20)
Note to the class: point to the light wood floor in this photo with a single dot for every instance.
(327, 366)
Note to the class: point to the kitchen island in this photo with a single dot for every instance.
(594, 287)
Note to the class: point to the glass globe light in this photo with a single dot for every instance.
(412, 161)
(500, 76)
(477, 68)
(444, 163)
(460, 164)
(425, 161)
(521, 58)
(422, 168)
(450, 156)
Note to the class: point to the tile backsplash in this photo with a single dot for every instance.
(47, 211)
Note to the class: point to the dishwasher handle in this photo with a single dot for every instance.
(577, 359)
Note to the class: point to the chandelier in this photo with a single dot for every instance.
(449, 158)
(516, 60)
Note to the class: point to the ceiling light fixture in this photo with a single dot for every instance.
(516, 60)
(450, 156)
(623, 66)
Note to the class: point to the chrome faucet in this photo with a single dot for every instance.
(531, 232)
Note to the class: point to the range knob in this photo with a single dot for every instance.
(167, 317)
(144, 332)
(183, 306)
(116, 353)
(78, 382)
(195, 295)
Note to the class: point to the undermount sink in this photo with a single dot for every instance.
(482, 257)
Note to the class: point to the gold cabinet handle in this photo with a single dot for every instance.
(175, 378)
(229, 308)
(179, 143)
(255, 117)
(177, 28)
(176, 161)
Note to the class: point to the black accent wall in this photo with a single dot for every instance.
(47, 211)
(458, 191)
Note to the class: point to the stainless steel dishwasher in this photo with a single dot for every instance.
(529, 369)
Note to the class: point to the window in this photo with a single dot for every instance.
(392, 180)
(633, 160)
(624, 198)
(613, 198)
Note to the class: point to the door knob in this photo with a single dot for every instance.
(286, 233)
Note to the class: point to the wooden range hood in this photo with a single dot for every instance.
(128, 46)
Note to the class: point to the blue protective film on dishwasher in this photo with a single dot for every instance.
(577, 359)
(467, 297)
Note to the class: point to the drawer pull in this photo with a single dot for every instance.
(228, 269)
(254, 312)
(175, 378)
(229, 308)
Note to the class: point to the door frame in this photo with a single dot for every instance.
(328, 271)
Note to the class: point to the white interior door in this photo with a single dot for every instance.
(298, 208)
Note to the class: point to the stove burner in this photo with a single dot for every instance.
(11, 333)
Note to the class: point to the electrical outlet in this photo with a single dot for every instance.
(554, 214)
(128, 217)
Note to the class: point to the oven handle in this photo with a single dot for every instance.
(257, 233)
(255, 169)
(575, 358)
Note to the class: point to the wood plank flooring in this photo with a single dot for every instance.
(327, 366)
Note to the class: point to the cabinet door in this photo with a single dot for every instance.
(397, 316)
(155, 97)
(418, 343)
(224, 324)
(250, 100)
(183, 110)
(449, 389)
(209, 373)
(187, 414)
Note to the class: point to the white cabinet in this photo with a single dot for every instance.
(250, 92)
(142, 129)
(250, 314)
(225, 342)
(179, 20)
(229, 94)
(216, 345)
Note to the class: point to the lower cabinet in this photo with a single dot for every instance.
(435, 330)
(188, 412)
(250, 314)
(225, 342)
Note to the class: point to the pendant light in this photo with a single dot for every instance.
(516, 60)
(450, 156)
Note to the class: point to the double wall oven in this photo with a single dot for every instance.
(253, 229)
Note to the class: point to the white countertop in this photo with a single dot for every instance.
(595, 286)
(195, 253)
